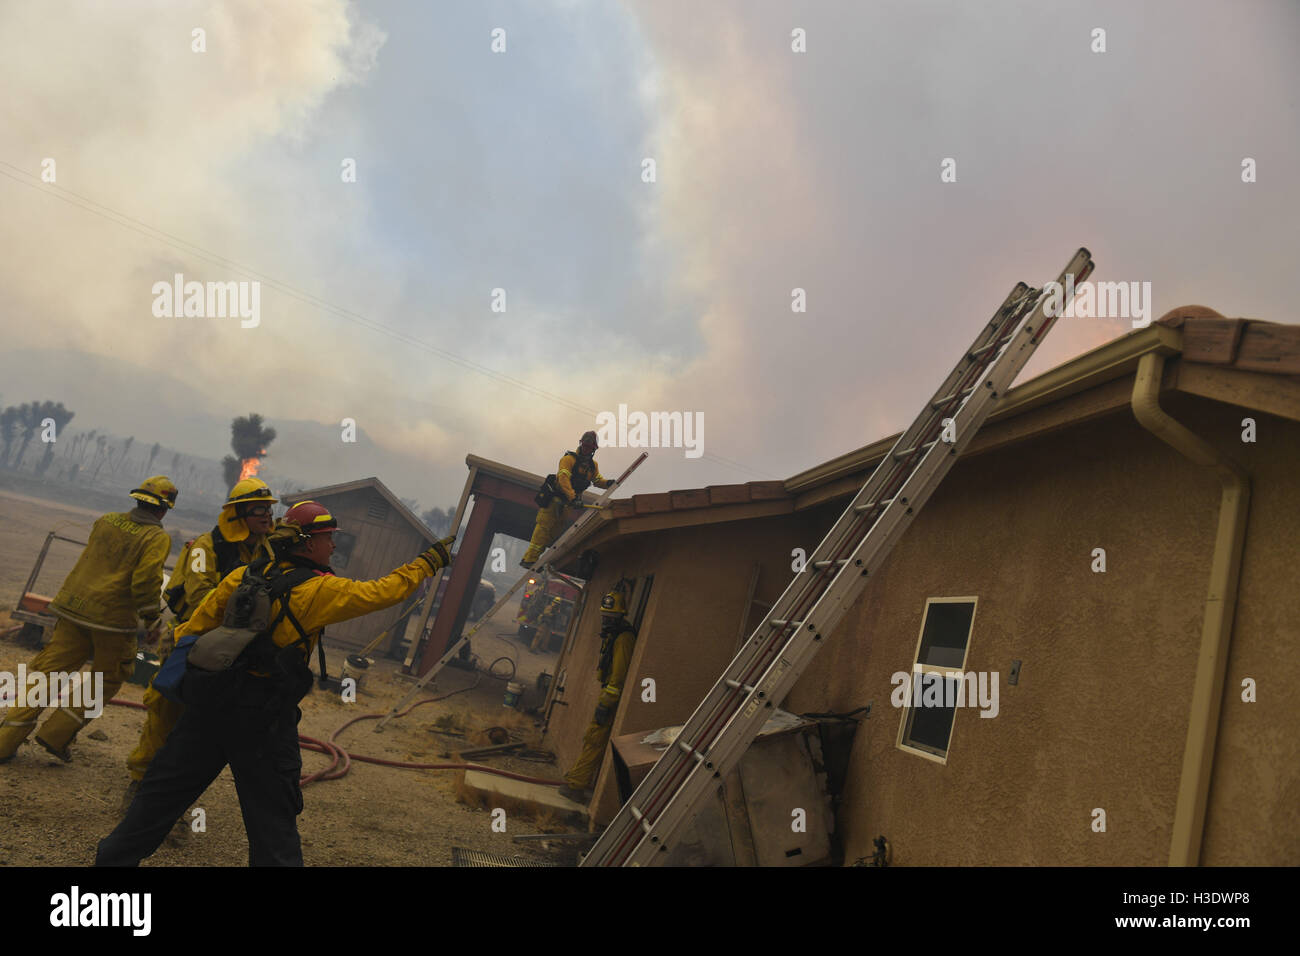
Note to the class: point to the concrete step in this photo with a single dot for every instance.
(532, 794)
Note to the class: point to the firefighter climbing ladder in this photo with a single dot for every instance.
(539, 567)
(715, 737)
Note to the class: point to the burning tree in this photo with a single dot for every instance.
(248, 440)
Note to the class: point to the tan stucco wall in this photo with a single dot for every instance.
(1099, 717)
(702, 577)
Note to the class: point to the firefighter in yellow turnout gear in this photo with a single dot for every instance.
(247, 716)
(617, 639)
(576, 473)
(115, 584)
(546, 626)
(238, 538)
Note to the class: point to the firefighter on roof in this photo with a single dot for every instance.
(576, 473)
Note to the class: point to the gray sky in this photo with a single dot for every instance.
(522, 170)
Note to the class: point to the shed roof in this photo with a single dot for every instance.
(316, 494)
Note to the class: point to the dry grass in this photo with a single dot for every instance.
(448, 723)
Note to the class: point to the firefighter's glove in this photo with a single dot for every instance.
(439, 556)
(602, 715)
(576, 501)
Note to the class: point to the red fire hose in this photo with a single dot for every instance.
(338, 754)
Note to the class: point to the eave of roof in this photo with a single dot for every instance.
(516, 476)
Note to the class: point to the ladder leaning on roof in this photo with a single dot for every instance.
(715, 737)
(540, 566)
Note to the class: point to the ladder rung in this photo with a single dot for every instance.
(871, 504)
(826, 564)
(900, 455)
(739, 686)
(945, 400)
(996, 343)
(640, 818)
(783, 621)
(699, 757)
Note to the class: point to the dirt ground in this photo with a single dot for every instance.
(24, 522)
(52, 814)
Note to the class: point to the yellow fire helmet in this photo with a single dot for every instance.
(613, 604)
(557, 600)
(248, 491)
(157, 490)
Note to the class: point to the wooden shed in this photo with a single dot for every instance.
(376, 534)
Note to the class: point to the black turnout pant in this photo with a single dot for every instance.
(250, 723)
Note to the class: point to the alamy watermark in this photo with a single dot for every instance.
(652, 430)
(946, 689)
(77, 909)
(82, 691)
(208, 300)
(1099, 300)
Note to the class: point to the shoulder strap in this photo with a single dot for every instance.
(226, 552)
(258, 566)
(282, 582)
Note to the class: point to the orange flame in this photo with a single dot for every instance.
(249, 466)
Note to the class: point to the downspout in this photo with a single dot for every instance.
(1220, 608)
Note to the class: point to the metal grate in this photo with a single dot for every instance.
(463, 857)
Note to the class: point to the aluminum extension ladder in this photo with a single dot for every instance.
(717, 734)
(540, 566)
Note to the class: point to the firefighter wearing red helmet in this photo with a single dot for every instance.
(247, 716)
(577, 472)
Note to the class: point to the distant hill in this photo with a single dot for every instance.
(158, 405)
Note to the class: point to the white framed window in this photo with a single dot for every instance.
(938, 666)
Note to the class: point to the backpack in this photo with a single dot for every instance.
(548, 492)
(249, 616)
(227, 557)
